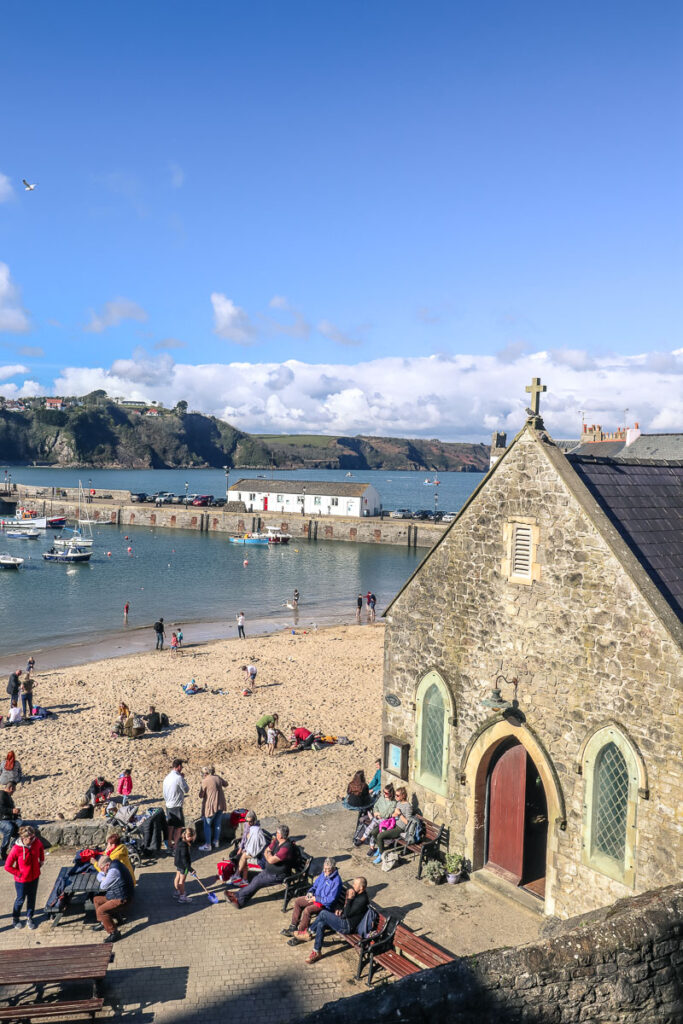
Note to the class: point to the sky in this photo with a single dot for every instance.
(347, 217)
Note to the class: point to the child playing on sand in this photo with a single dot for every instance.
(174, 643)
(183, 863)
(271, 739)
(125, 785)
(15, 715)
(179, 634)
(249, 675)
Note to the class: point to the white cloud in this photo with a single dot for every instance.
(334, 334)
(6, 190)
(460, 397)
(11, 371)
(166, 344)
(231, 322)
(177, 174)
(13, 316)
(31, 352)
(113, 313)
(297, 326)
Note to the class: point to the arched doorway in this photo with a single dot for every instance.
(515, 814)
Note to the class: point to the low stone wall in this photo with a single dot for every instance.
(355, 530)
(91, 833)
(621, 964)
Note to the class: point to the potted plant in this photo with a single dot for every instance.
(434, 872)
(456, 867)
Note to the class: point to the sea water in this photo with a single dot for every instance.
(195, 579)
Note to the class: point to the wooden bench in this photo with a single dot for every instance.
(383, 936)
(54, 964)
(435, 836)
(72, 1008)
(420, 951)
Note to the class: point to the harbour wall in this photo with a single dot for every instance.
(116, 507)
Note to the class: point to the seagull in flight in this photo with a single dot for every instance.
(27, 187)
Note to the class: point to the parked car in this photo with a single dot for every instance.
(178, 499)
(400, 513)
(203, 500)
(138, 496)
(422, 513)
(448, 517)
(219, 502)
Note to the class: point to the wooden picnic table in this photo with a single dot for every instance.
(45, 964)
(79, 888)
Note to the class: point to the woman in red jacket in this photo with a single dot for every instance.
(24, 862)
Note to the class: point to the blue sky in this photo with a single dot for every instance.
(297, 214)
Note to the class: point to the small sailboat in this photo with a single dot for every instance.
(8, 561)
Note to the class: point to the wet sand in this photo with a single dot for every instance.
(327, 679)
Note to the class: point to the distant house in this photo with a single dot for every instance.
(308, 497)
(135, 406)
(15, 406)
(54, 403)
(152, 412)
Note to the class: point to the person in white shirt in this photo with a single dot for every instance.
(240, 625)
(15, 714)
(175, 791)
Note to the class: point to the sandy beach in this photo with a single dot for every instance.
(312, 679)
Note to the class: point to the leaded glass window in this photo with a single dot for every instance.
(434, 709)
(610, 803)
(433, 731)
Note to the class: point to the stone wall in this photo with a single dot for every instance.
(622, 965)
(349, 529)
(588, 650)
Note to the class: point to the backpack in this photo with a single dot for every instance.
(298, 858)
(413, 832)
(389, 859)
(367, 923)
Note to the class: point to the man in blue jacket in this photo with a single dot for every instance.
(321, 896)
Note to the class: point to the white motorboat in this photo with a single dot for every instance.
(25, 532)
(69, 554)
(74, 540)
(8, 561)
(278, 536)
(37, 522)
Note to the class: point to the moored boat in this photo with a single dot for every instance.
(69, 554)
(8, 561)
(25, 532)
(250, 538)
(278, 536)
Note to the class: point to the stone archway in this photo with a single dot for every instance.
(506, 746)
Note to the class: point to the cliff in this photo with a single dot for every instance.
(102, 434)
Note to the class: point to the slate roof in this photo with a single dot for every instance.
(322, 487)
(655, 446)
(644, 502)
(599, 449)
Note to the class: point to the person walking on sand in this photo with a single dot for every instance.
(240, 626)
(30, 665)
(160, 634)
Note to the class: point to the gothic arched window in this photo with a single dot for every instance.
(610, 804)
(431, 748)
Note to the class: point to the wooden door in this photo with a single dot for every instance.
(506, 814)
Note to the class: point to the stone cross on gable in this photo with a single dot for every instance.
(535, 389)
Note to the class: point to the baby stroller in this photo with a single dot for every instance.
(131, 833)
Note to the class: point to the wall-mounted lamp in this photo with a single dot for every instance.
(496, 701)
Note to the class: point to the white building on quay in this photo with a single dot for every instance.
(307, 497)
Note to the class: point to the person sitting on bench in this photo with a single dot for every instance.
(344, 922)
(117, 890)
(403, 813)
(321, 896)
(276, 863)
(251, 846)
(384, 808)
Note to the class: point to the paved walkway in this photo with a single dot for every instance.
(204, 963)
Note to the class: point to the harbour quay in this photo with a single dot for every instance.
(116, 506)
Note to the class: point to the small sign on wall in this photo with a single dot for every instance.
(396, 757)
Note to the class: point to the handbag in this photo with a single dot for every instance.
(387, 823)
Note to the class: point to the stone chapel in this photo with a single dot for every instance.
(532, 676)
